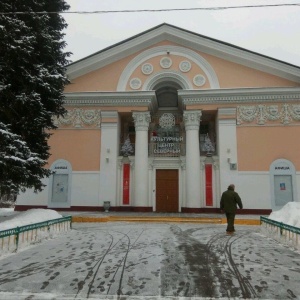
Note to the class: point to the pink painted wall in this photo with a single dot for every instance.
(80, 147)
(259, 146)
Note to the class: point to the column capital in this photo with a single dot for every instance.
(141, 120)
(192, 119)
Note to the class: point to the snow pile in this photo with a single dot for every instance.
(30, 216)
(289, 214)
(5, 212)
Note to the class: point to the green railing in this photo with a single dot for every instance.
(11, 237)
(282, 232)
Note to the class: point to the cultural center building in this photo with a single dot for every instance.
(165, 120)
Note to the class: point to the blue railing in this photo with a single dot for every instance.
(10, 238)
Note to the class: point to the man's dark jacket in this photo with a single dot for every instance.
(229, 200)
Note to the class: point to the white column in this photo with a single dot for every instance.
(192, 123)
(141, 122)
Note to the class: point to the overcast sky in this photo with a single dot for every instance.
(274, 32)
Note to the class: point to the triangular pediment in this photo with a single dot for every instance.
(188, 39)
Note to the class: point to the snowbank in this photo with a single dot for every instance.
(30, 216)
(289, 214)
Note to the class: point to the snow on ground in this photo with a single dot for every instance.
(30, 216)
(289, 214)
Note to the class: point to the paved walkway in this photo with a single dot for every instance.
(136, 261)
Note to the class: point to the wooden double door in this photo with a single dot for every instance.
(167, 191)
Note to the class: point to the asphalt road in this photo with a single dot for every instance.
(153, 261)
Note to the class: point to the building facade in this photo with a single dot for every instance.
(166, 120)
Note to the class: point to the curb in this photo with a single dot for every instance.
(85, 219)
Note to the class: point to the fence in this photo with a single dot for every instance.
(11, 239)
(281, 232)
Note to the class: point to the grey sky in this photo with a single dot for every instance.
(270, 31)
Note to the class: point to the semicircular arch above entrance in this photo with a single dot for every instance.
(166, 64)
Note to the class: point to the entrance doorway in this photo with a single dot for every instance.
(283, 189)
(167, 191)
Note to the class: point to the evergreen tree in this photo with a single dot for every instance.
(32, 78)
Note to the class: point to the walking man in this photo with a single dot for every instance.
(229, 200)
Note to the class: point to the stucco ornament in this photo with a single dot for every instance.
(79, 117)
(192, 119)
(141, 120)
(185, 66)
(166, 62)
(285, 113)
(147, 69)
(135, 83)
(167, 121)
(247, 113)
(199, 80)
(295, 111)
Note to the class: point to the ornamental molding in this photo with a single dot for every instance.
(199, 80)
(185, 66)
(141, 120)
(185, 53)
(113, 99)
(167, 75)
(213, 160)
(261, 114)
(167, 121)
(165, 163)
(165, 62)
(192, 119)
(135, 83)
(147, 68)
(254, 95)
(79, 118)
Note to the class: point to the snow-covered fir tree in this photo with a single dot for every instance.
(32, 78)
(127, 148)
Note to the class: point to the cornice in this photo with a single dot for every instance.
(114, 99)
(252, 95)
(186, 39)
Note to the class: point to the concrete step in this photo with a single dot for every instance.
(202, 220)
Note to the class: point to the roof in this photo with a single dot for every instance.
(188, 39)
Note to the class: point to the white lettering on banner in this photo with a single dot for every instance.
(166, 139)
(162, 151)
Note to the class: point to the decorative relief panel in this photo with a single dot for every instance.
(185, 66)
(79, 117)
(147, 69)
(135, 83)
(167, 121)
(261, 114)
(166, 62)
(199, 80)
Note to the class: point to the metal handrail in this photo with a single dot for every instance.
(281, 225)
(17, 230)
